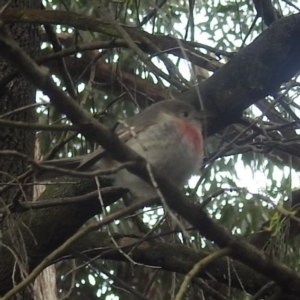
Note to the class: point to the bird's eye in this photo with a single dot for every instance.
(186, 114)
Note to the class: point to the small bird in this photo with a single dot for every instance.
(167, 134)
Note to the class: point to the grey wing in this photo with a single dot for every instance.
(125, 131)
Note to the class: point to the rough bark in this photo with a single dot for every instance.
(17, 94)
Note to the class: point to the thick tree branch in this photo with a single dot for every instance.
(256, 71)
(266, 10)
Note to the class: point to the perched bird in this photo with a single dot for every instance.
(167, 134)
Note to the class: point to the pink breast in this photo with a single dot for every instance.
(192, 135)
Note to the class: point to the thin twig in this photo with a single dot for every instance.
(46, 203)
(36, 126)
(197, 268)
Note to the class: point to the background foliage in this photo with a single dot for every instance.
(225, 26)
(250, 168)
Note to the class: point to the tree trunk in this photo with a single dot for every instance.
(18, 93)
